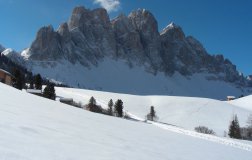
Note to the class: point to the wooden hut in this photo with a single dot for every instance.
(5, 77)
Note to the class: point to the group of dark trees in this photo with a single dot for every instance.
(235, 131)
(93, 107)
(35, 82)
(20, 73)
(114, 109)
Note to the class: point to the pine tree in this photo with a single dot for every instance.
(234, 128)
(119, 108)
(92, 101)
(152, 115)
(31, 84)
(49, 92)
(93, 107)
(18, 80)
(38, 81)
(110, 107)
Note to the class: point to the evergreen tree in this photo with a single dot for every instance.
(110, 107)
(49, 92)
(92, 101)
(93, 107)
(119, 108)
(38, 81)
(152, 115)
(18, 79)
(234, 128)
(31, 84)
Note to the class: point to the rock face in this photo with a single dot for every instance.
(90, 36)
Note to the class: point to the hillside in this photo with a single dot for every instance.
(114, 76)
(244, 102)
(32, 127)
(185, 112)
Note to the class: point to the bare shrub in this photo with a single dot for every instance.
(205, 130)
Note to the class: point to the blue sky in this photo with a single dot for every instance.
(223, 26)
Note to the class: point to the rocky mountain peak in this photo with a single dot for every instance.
(78, 17)
(46, 45)
(82, 17)
(146, 25)
(144, 21)
(63, 29)
(173, 32)
(122, 24)
(44, 36)
(64, 32)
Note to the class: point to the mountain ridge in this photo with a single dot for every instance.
(90, 37)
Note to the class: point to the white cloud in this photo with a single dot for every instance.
(109, 5)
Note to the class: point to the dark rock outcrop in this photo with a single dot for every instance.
(90, 36)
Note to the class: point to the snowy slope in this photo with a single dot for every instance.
(34, 128)
(116, 76)
(186, 112)
(244, 102)
(13, 55)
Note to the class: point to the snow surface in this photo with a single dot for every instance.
(116, 76)
(34, 128)
(244, 102)
(185, 112)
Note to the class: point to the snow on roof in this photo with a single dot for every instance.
(230, 96)
(1, 70)
(34, 91)
(66, 99)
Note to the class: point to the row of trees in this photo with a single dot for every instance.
(35, 83)
(116, 109)
(20, 79)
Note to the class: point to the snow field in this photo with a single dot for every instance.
(34, 128)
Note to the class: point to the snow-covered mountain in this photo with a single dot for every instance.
(127, 54)
(13, 55)
(32, 127)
